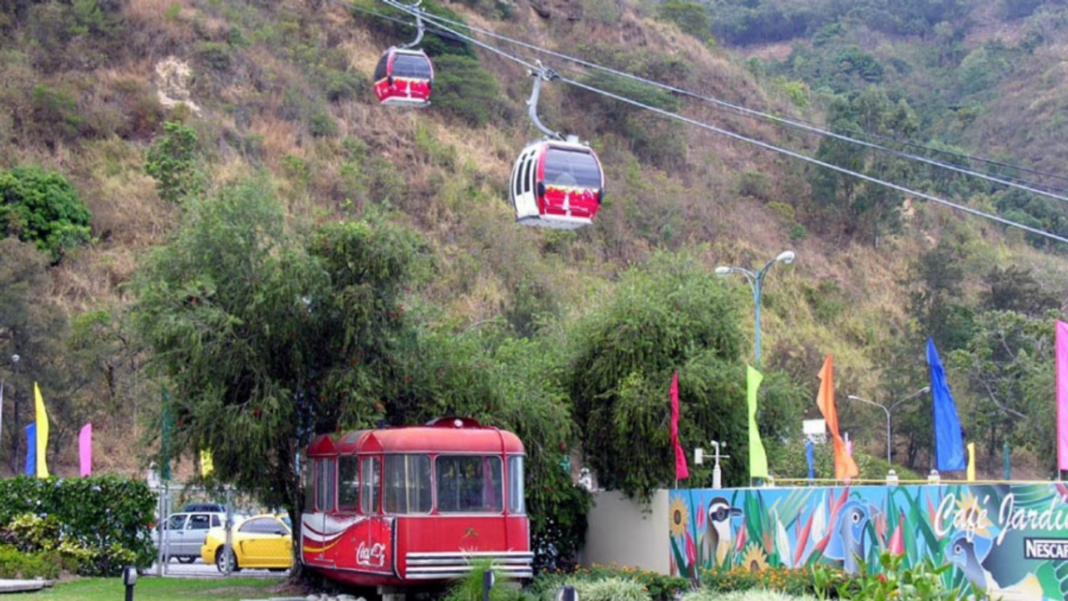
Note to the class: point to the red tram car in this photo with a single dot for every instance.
(413, 506)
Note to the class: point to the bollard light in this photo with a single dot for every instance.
(129, 579)
(567, 593)
(488, 580)
(892, 478)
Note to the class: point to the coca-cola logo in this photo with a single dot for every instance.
(374, 556)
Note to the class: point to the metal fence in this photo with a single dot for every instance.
(186, 514)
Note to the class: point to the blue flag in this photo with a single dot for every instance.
(808, 457)
(949, 445)
(31, 450)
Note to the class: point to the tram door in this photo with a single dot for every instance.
(318, 508)
(374, 553)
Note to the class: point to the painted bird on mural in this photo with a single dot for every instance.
(847, 536)
(716, 542)
(974, 560)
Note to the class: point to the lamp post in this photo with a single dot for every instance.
(756, 282)
(889, 412)
(14, 362)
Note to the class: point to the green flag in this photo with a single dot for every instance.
(758, 459)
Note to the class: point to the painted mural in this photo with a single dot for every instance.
(1010, 540)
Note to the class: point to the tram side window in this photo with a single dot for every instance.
(407, 479)
(369, 484)
(324, 484)
(380, 70)
(516, 500)
(348, 483)
(309, 484)
(469, 484)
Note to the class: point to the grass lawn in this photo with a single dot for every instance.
(158, 589)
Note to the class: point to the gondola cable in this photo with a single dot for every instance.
(1020, 183)
(759, 143)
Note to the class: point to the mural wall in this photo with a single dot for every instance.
(1011, 540)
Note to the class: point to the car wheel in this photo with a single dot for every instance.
(186, 559)
(225, 560)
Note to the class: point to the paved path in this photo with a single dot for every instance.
(199, 569)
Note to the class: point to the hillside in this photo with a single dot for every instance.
(280, 93)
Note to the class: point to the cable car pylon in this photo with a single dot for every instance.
(557, 182)
(404, 75)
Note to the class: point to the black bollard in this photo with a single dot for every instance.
(129, 579)
(488, 580)
(567, 593)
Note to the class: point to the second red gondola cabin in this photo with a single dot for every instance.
(404, 78)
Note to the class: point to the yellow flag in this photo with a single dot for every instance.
(206, 465)
(971, 462)
(42, 432)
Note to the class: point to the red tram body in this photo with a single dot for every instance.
(404, 78)
(414, 506)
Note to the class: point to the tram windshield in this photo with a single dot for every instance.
(410, 65)
(469, 484)
(574, 168)
(407, 479)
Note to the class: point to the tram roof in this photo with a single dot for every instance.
(447, 435)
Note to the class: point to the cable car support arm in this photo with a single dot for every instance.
(420, 27)
(542, 74)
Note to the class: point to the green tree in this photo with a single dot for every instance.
(669, 315)
(268, 336)
(937, 280)
(33, 327)
(691, 18)
(1016, 289)
(1009, 368)
(172, 162)
(42, 207)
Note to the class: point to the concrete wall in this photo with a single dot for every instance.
(626, 533)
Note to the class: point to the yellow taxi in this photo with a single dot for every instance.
(262, 541)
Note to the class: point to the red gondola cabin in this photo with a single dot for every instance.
(557, 185)
(411, 506)
(404, 78)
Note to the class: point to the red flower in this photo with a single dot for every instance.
(881, 578)
(691, 550)
(700, 518)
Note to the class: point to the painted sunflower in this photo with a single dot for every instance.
(754, 559)
(680, 516)
(969, 508)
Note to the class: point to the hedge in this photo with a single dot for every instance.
(104, 512)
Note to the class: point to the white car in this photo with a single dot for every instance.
(185, 533)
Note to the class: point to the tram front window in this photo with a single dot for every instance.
(516, 501)
(469, 484)
(348, 483)
(407, 484)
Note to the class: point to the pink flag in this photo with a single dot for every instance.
(681, 470)
(1062, 395)
(85, 450)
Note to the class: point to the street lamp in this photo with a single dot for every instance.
(889, 412)
(756, 282)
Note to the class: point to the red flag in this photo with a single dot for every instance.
(681, 471)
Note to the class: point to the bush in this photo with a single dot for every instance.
(19, 564)
(653, 585)
(41, 207)
(172, 162)
(690, 17)
(470, 587)
(464, 89)
(783, 580)
(104, 522)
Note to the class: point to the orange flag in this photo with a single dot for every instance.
(844, 466)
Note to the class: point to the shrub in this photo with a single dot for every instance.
(172, 162)
(108, 516)
(214, 55)
(55, 114)
(19, 564)
(612, 589)
(469, 588)
(783, 580)
(653, 585)
(690, 17)
(464, 89)
(41, 207)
